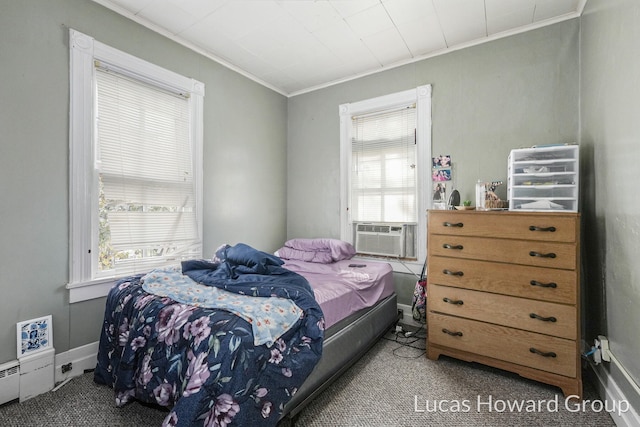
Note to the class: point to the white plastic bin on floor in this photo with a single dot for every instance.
(36, 374)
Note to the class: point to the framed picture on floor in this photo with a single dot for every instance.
(34, 335)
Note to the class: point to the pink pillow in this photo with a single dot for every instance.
(317, 250)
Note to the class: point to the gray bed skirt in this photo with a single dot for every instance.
(344, 343)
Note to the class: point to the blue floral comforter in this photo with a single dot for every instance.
(201, 362)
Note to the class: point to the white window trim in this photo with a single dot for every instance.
(84, 51)
(422, 97)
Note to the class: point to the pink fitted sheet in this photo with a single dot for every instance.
(342, 289)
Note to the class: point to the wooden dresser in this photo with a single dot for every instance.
(504, 290)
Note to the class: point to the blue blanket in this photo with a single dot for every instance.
(202, 363)
(270, 317)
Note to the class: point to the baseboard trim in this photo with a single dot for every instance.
(610, 391)
(81, 358)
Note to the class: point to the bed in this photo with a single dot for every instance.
(355, 318)
(241, 339)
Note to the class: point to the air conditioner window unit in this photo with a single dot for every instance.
(381, 239)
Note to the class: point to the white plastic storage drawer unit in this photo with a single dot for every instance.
(544, 178)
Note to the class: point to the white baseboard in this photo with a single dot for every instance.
(81, 358)
(610, 391)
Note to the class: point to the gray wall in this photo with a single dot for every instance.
(488, 99)
(610, 139)
(244, 158)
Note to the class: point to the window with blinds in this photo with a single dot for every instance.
(385, 154)
(135, 166)
(384, 167)
(147, 192)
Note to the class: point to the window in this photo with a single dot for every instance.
(383, 166)
(385, 154)
(136, 167)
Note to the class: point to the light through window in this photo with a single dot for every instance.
(147, 192)
(384, 167)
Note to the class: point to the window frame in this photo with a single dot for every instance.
(421, 96)
(83, 185)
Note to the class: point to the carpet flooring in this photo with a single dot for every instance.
(394, 384)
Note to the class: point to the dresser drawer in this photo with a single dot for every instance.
(524, 252)
(537, 316)
(518, 280)
(551, 354)
(546, 227)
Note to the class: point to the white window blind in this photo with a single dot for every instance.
(144, 162)
(384, 166)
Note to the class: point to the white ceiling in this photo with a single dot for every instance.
(294, 46)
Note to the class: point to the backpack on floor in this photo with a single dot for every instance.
(419, 304)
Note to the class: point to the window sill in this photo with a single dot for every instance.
(407, 267)
(84, 291)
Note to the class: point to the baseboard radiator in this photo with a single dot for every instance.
(9, 381)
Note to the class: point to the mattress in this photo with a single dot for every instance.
(359, 304)
(344, 344)
(345, 287)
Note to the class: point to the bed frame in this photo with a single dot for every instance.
(344, 344)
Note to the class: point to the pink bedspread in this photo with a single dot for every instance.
(342, 290)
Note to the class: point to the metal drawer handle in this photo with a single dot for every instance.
(538, 254)
(543, 285)
(453, 273)
(453, 224)
(448, 246)
(453, 301)
(542, 353)
(544, 319)
(549, 229)
(453, 334)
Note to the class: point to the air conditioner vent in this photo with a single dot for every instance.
(381, 239)
(374, 228)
